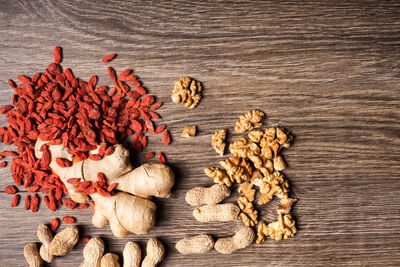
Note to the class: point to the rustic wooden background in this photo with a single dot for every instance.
(327, 71)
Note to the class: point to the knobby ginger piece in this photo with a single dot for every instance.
(244, 148)
(218, 175)
(189, 131)
(282, 229)
(188, 91)
(250, 120)
(248, 214)
(238, 169)
(218, 141)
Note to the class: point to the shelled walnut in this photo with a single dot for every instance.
(246, 189)
(238, 169)
(188, 131)
(255, 135)
(188, 91)
(248, 214)
(244, 148)
(249, 121)
(285, 205)
(283, 228)
(218, 141)
(272, 140)
(218, 175)
(270, 185)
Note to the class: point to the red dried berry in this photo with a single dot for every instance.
(3, 164)
(54, 223)
(73, 180)
(9, 153)
(15, 201)
(166, 139)
(108, 58)
(57, 54)
(82, 206)
(34, 203)
(27, 202)
(149, 155)
(11, 189)
(111, 187)
(85, 239)
(161, 158)
(112, 73)
(63, 162)
(5, 108)
(68, 219)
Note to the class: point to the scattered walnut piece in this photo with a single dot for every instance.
(249, 121)
(255, 135)
(246, 189)
(237, 168)
(218, 175)
(283, 228)
(248, 214)
(218, 141)
(189, 131)
(244, 148)
(272, 140)
(188, 91)
(260, 162)
(286, 205)
(279, 163)
(270, 185)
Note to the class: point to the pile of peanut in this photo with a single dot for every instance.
(256, 163)
(64, 241)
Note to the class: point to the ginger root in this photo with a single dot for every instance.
(127, 211)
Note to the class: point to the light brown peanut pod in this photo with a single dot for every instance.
(197, 244)
(200, 195)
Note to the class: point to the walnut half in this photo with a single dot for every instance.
(188, 91)
(218, 141)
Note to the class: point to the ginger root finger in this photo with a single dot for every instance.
(125, 213)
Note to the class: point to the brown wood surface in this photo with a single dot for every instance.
(327, 71)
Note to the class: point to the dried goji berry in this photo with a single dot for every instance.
(68, 219)
(11, 189)
(54, 223)
(108, 58)
(166, 139)
(15, 201)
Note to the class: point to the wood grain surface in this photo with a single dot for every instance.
(328, 71)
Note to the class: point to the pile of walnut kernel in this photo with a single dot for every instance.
(257, 162)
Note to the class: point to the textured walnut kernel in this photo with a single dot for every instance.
(249, 121)
(262, 163)
(248, 214)
(237, 168)
(270, 185)
(286, 205)
(279, 163)
(283, 137)
(255, 135)
(189, 131)
(218, 175)
(283, 228)
(218, 141)
(188, 91)
(244, 148)
(247, 190)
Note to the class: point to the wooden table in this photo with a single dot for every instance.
(327, 71)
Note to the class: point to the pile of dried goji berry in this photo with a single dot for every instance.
(56, 106)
